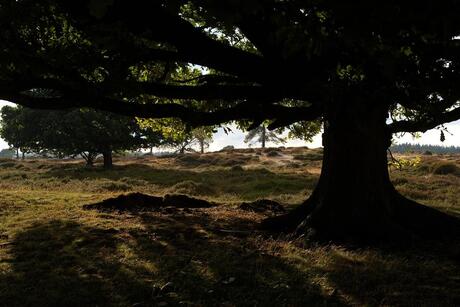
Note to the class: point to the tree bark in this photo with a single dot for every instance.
(202, 146)
(263, 136)
(354, 199)
(108, 161)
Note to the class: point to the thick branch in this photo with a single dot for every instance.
(192, 44)
(245, 110)
(424, 125)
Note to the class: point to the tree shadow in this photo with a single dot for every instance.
(210, 259)
(63, 263)
(415, 277)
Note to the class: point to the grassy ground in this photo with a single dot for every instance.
(54, 253)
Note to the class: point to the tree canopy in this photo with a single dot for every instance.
(280, 60)
(82, 132)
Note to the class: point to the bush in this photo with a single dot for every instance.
(236, 168)
(273, 154)
(228, 148)
(192, 188)
(445, 168)
(310, 156)
(115, 186)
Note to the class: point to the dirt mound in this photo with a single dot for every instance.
(139, 201)
(263, 205)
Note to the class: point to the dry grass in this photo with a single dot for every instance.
(54, 253)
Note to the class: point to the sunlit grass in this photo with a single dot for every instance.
(54, 253)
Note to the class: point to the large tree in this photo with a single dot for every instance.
(75, 132)
(367, 69)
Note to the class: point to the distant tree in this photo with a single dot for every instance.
(203, 136)
(7, 153)
(263, 136)
(407, 147)
(177, 135)
(82, 132)
(13, 130)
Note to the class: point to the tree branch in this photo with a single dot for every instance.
(248, 110)
(424, 125)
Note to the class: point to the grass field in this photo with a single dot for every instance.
(55, 253)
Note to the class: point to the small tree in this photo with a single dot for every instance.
(203, 136)
(177, 135)
(263, 136)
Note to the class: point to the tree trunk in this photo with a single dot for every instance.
(23, 155)
(17, 153)
(107, 156)
(202, 146)
(354, 199)
(263, 136)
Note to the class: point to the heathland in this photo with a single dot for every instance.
(56, 252)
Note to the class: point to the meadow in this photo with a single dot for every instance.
(54, 252)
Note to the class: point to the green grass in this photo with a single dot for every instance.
(54, 253)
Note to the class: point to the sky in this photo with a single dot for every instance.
(236, 137)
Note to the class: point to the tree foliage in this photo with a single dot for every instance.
(178, 135)
(82, 132)
(263, 136)
(260, 56)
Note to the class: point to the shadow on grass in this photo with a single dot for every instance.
(61, 263)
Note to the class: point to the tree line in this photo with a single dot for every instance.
(88, 133)
(421, 148)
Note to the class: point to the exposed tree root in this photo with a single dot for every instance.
(263, 205)
(407, 221)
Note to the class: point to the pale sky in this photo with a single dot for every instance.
(236, 137)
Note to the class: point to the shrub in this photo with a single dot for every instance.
(115, 186)
(236, 168)
(273, 154)
(310, 156)
(192, 188)
(445, 168)
(228, 148)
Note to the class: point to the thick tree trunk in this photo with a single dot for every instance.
(107, 156)
(354, 199)
(202, 146)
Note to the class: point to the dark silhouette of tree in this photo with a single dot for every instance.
(349, 64)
